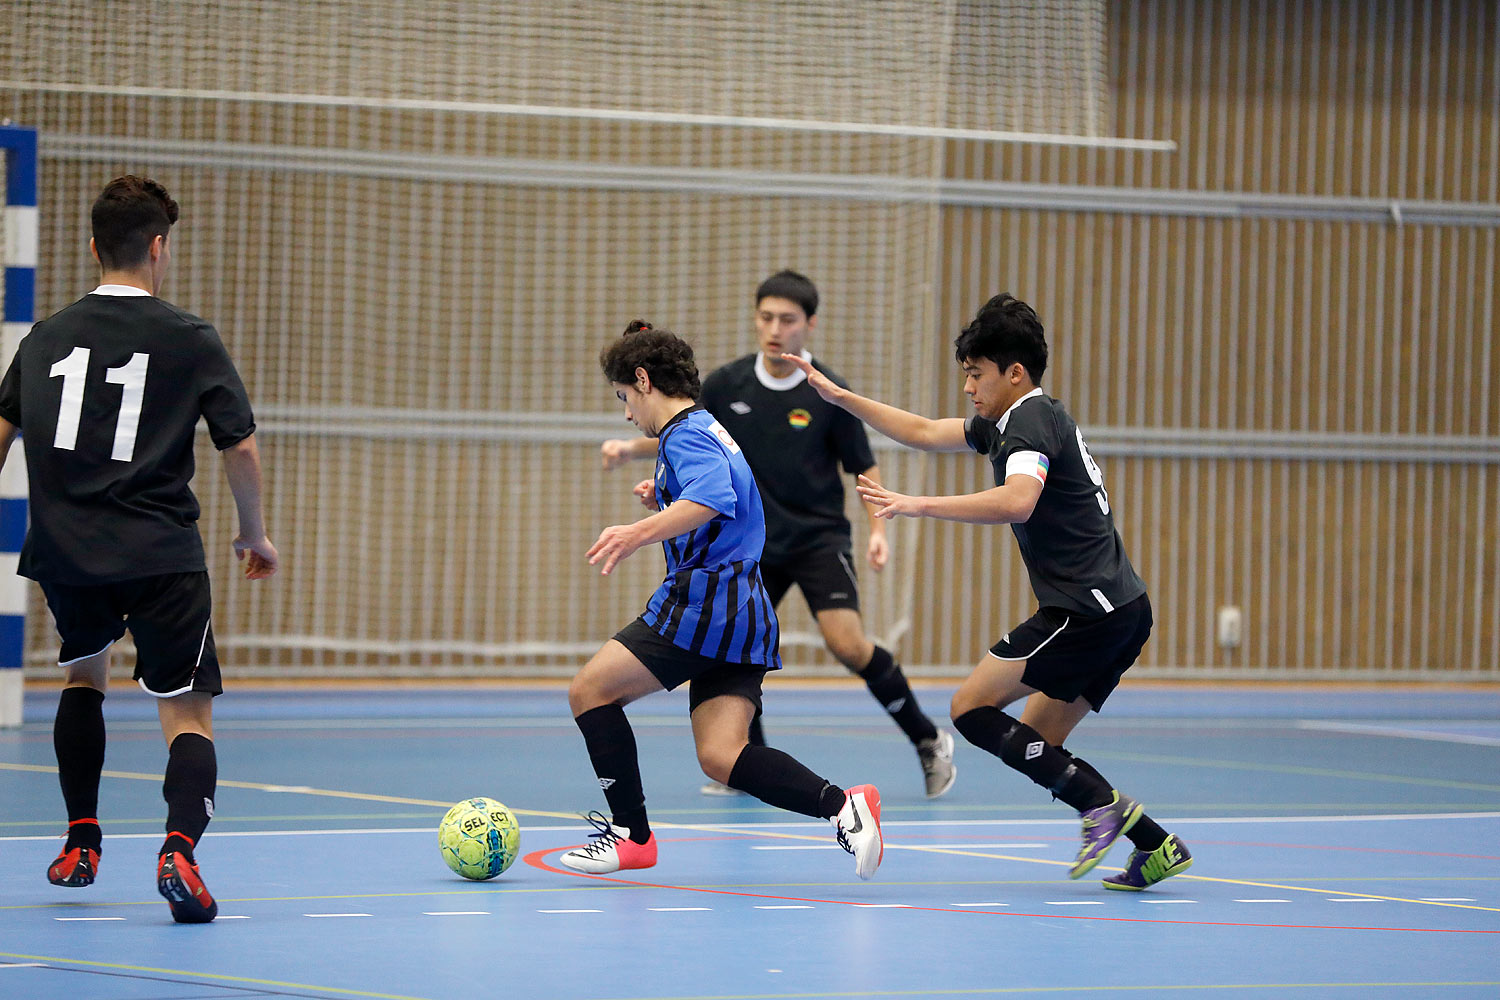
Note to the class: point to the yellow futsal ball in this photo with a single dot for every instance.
(479, 838)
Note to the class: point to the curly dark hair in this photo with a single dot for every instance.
(1006, 330)
(129, 213)
(666, 357)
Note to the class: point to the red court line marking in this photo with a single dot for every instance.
(534, 859)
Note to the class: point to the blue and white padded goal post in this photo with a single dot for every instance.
(19, 148)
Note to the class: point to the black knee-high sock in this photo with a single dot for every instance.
(78, 739)
(780, 780)
(611, 746)
(1146, 834)
(1023, 749)
(757, 732)
(192, 776)
(883, 676)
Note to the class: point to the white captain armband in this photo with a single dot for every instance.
(1027, 463)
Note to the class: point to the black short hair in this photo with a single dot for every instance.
(788, 284)
(667, 358)
(1006, 330)
(130, 213)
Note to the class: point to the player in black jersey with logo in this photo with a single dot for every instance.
(796, 443)
(1094, 615)
(109, 392)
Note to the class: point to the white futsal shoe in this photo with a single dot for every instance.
(610, 850)
(858, 829)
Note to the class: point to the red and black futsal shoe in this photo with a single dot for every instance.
(177, 879)
(75, 867)
(78, 863)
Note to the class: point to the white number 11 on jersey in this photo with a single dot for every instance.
(74, 370)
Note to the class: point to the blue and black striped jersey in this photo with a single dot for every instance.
(712, 601)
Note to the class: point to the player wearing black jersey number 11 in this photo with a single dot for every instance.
(109, 392)
(1093, 614)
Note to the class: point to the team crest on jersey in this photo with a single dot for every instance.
(799, 419)
(740, 407)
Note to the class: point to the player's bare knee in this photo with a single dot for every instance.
(717, 759)
(583, 694)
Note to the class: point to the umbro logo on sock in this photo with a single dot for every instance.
(896, 706)
(606, 783)
(1034, 750)
(208, 807)
(740, 407)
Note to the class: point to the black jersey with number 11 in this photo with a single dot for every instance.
(108, 393)
(1073, 553)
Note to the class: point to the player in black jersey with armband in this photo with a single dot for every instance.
(796, 444)
(1093, 616)
(109, 392)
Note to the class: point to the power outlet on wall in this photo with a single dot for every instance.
(1231, 626)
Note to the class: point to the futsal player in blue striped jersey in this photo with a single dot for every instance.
(710, 623)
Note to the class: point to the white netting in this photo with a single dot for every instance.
(416, 225)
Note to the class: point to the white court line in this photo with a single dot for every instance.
(1447, 899)
(570, 911)
(785, 907)
(22, 965)
(1074, 902)
(679, 909)
(1351, 899)
(1161, 902)
(1262, 900)
(884, 906)
(1402, 734)
(336, 915)
(978, 904)
(455, 913)
(230, 916)
(752, 827)
(896, 847)
(85, 919)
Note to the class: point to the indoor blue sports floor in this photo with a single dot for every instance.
(1347, 844)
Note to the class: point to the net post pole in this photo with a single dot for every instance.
(19, 145)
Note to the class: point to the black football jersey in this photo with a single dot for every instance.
(108, 393)
(1073, 554)
(795, 443)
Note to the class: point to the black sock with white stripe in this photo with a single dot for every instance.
(192, 776)
(781, 780)
(611, 746)
(1023, 749)
(883, 676)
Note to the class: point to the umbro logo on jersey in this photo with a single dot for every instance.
(739, 407)
(606, 783)
(1034, 750)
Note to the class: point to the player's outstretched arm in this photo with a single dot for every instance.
(618, 541)
(912, 430)
(242, 468)
(1010, 503)
(878, 549)
(617, 451)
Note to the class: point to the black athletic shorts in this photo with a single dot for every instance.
(826, 577)
(168, 617)
(1068, 654)
(707, 677)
